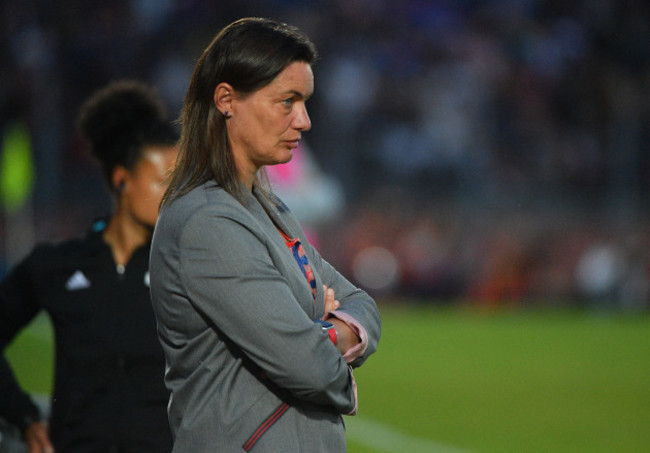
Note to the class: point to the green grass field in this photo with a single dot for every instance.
(453, 380)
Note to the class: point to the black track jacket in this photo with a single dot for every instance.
(109, 394)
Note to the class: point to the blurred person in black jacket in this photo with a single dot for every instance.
(109, 394)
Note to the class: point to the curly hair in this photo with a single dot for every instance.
(120, 120)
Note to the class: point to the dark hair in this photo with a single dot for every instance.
(247, 54)
(120, 121)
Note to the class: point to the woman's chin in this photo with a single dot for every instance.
(285, 158)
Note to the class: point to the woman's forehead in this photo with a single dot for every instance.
(297, 79)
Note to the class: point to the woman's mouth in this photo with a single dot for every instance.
(293, 144)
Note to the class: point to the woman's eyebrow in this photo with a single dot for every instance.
(297, 94)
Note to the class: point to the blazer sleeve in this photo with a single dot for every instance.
(229, 275)
(17, 308)
(357, 307)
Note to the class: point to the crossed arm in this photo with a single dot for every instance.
(347, 338)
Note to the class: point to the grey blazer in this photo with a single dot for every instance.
(247, 368)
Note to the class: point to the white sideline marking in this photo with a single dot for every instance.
(387, 439)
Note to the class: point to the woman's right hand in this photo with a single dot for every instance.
(37, 438)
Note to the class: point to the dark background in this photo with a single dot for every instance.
(487, 152)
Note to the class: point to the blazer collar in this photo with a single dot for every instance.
(265, 210)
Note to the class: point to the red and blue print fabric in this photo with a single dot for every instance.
(303, 262)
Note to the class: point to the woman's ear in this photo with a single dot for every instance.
(223, 96)
(119, 179)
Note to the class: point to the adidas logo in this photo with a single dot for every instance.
(77, 281)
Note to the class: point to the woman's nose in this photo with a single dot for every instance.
(302, 122)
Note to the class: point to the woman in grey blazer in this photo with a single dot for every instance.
(260, 333)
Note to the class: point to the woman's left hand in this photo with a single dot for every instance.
(331, 303)
(346, 338)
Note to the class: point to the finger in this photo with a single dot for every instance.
(47, 443)
(35, 446)
(48, 447)
(32, 438)
(38, 439)
(330, 301)
(45, 446)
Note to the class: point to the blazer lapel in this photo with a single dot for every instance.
(270, 215)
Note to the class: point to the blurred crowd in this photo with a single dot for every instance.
(492, 151)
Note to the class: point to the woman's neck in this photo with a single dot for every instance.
(247, 179)
(124, 235)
